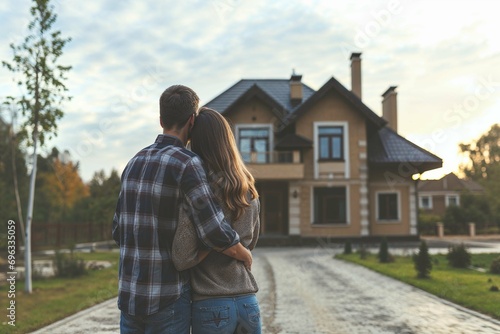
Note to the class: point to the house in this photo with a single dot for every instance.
(325, 164)
(434, 196)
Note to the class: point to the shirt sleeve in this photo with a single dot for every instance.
(116, 226)
(210, 225)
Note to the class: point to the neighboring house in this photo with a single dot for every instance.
(325, 164)
(434, 196)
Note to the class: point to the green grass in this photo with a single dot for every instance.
(54, 299)
(465, 287)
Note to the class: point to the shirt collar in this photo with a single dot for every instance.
(166, 140)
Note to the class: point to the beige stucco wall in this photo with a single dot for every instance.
(353, 228)
(390, 180)
(253, 111)
(333, 108)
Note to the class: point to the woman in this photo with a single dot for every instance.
(223, 288)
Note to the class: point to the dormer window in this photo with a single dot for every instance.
(331, 143)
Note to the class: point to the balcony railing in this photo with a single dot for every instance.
(275, 165)
(272, 157)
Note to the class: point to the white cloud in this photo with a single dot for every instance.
(124, 54)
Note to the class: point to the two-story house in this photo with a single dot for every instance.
(325, 164)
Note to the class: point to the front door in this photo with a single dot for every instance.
(274, 209)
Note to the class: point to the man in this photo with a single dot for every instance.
(153, 296)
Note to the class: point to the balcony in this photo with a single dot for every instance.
(275, 165)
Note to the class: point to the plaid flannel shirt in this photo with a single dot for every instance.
(155, 183)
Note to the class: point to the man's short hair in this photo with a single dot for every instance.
(177, 104)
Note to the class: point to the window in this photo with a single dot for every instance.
(452, 200)
(388, 206)
(426, 202)
(331, 143)
(330, 205)
(254, 140)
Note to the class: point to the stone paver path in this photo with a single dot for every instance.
(306, 291)
(318, 294)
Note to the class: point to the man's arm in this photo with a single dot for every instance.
(116, 226)
(211, 227)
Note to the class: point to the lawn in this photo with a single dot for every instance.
(467, 287)
(56, 298)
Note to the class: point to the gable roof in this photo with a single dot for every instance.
(387, 147)
(449, 182)
(344, 92)
(384, 145)
(277, 90)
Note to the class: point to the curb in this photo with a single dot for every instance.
(50, 328)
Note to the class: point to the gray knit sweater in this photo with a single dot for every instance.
(217, 275)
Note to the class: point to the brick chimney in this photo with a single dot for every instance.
(356, 74)
(390, 107)
(295, 88)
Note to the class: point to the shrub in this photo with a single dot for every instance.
(423, 261)
(69, 265)
(495, 266)
(363, 252)
(427, 223)
(383, 254)
(348, 247)
(494, 288)
(458, 256)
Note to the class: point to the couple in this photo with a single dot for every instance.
(178, 210)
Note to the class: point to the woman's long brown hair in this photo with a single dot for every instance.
(213, 141)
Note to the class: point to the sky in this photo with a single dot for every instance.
(444, 57)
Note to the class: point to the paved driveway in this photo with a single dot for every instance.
(305, 290)
(314, 293)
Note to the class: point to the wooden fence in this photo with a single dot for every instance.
(63, 235)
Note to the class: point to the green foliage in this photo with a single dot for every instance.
(69, 265)
(458, 256)
(12, 162)
(473, 208)
(495, 266)
(422, 261)
(363, 252)
(42, 78)
(100, 206)
(348, 247)
(383, 254)
(484, 167)
(427, 222)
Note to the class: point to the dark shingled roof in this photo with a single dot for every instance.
(384, 145)
(387, 147)
(293, 141)
(449, 182)
(277, 89)
(344, 92)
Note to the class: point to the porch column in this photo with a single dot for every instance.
(294, 209)
(363, 189)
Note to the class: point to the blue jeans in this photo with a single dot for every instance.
(226, 315)
(174, 319)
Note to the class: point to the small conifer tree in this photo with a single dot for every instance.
(383, 254)
(423, 261)
(348, 247)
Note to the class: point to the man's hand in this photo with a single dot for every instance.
(240, 253)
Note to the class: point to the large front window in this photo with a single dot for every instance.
(330, 205)
(331, 143)
(388, 206)
(254, 144)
